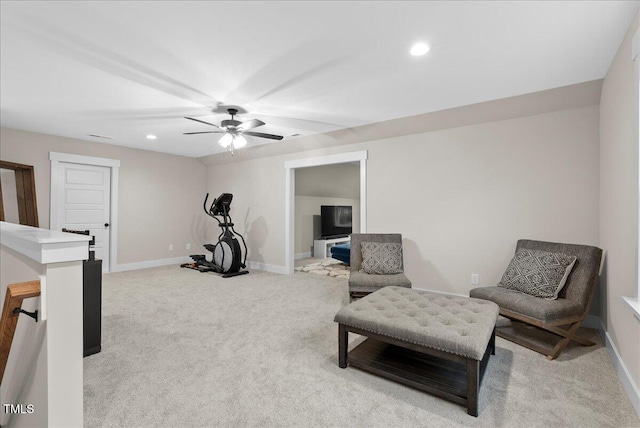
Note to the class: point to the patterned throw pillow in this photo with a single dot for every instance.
(382, 258)
(538, 273)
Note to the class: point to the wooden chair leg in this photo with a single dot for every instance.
(565, 337)
(568, 335)
(562, 343)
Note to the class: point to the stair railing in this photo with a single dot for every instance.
(12, 309)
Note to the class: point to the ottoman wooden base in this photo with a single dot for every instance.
(439, 373)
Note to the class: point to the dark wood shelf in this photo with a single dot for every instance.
(437, 376)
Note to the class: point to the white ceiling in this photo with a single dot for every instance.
(128, 69)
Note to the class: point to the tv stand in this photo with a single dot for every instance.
(321, 246)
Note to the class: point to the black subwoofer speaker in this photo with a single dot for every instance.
(92, 306)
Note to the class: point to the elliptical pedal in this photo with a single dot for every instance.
(232, 274)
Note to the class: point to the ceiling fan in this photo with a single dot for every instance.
(233, 130)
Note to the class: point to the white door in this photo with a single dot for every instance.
(83, 195)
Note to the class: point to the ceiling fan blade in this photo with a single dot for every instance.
(203, 132)
(261, 135)
(202, 121)
(250, 124)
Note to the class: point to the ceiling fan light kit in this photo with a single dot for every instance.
(233, 129)
(237, 141)
(226, 140)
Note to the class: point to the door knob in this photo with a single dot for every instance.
(106, 225)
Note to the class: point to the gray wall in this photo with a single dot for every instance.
(160, 195)
(461, 196)
(334, 181)
(619, 202)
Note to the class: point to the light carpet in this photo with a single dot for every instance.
(186, 349)
(327, 267)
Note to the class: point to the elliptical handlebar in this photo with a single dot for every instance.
(205, 206)
(210, 211)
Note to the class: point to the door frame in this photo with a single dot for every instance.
(25, 191)
(290, 197)
(56, 159)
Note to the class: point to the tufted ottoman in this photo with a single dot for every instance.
(433, 342)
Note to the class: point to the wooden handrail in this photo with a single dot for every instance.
(16, 293)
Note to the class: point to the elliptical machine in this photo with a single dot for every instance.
(226, 256)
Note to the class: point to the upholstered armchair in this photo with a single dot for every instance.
(389, 267)
(562, 315)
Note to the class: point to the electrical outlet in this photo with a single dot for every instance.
(188, 246)
(474, 279)
(170, 247)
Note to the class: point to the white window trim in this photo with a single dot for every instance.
(635, 56)
(290, 187)
(114, 166)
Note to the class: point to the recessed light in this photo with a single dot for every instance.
(151, 137)
(419, 49)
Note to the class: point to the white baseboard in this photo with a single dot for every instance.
(299, 256)
(267, 268)
(623, 373)
(186, 259)
(151, 264)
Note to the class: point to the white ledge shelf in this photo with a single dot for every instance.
(44, 245)
(635, 306)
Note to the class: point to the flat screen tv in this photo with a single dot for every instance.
(335, 220)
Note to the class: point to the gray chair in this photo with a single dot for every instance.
(361, 283)
(562, 316)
